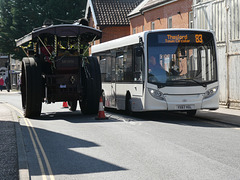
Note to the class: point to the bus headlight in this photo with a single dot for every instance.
(209, 93)
(157, 94)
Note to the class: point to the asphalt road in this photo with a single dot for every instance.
(66, 145)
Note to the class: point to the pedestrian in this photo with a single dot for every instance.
(1, 83)
(7, 83)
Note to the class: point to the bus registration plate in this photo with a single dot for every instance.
(185, 107)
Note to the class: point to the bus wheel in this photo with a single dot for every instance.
(128, 105)
(92, 87)
(191, 112)
(31, 88)
(72, 105)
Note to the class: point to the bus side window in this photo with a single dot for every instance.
(108, 69)
(128, 69)
(119, 68)
(138, 59)
(113, 68)
(103, 69)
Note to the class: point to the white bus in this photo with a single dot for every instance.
(184, 77)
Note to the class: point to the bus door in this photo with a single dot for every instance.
(113, 82)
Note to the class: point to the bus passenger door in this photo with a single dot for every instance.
(113, 83)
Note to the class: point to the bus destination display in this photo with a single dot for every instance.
(180, 38)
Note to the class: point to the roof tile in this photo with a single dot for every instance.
(114, 12)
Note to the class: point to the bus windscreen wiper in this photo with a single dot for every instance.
(201, 84)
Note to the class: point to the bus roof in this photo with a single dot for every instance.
(124, 41)
(64, 30)
(133, 39)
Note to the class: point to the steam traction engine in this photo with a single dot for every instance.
(57, 68)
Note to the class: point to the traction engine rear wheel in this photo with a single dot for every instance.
(31, 88)
(92, 87)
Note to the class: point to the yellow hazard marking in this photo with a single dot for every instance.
(36, 151)
(32, 131)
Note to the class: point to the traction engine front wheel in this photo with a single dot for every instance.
(72, 105)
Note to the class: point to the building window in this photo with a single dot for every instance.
(191, 19)
(170, 22)
(153, 26)
(134, 30)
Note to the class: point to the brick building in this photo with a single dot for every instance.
(161, 14)
(110, 16)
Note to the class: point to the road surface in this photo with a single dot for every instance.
(158, 145)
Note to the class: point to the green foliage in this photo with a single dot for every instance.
(19, 17)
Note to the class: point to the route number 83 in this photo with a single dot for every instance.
(198, 38)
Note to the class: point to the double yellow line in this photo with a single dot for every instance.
(36, 143)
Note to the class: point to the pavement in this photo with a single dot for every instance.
(13, 159)
(230, 116)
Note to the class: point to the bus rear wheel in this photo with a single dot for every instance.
(128, 105)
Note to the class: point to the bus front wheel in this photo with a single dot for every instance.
(191, 112)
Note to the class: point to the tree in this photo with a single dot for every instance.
(6, 26)
(19, 17)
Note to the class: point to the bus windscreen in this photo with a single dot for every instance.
(181, 58)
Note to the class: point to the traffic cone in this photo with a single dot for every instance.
(65, 104)
(101, 114)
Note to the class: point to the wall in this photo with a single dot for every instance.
(114, 32)
(160, 17)
(110, 32)
(223, 17)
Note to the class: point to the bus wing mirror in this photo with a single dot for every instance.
(138, 52)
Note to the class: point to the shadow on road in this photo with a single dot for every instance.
(169, 117)
(202, 119)
(63, 154)
(73, 117)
